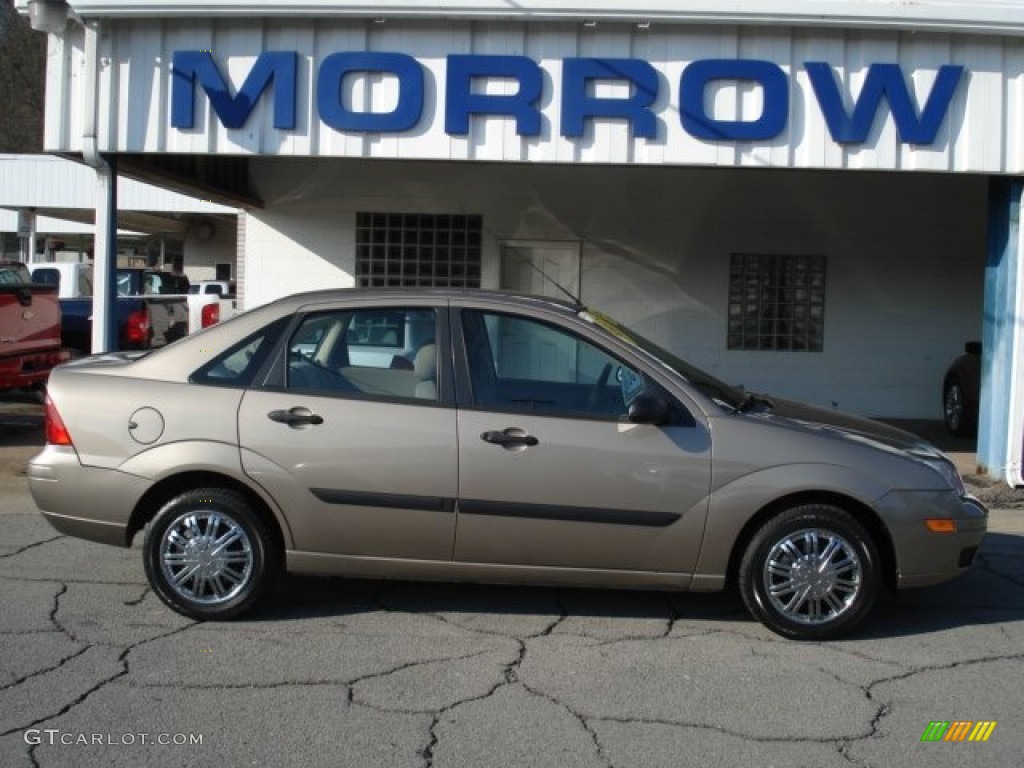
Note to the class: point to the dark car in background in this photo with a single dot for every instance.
(961, 390)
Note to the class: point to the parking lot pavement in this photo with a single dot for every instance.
(95, 671)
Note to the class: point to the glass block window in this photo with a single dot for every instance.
(776, 302)
(418, 250)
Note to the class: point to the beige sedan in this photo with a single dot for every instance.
(476, 436)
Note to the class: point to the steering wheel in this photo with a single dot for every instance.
(595, 391)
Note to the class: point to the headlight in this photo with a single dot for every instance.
(947, 470)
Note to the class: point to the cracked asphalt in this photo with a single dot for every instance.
(94, 670)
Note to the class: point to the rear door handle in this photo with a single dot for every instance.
(296, 417)
(513, 437)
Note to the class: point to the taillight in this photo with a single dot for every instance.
(137, 330)
(211, 315)
(56, 432)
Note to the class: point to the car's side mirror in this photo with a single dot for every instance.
(648, 408)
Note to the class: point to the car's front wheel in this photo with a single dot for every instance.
(208, 555)
(810, 573)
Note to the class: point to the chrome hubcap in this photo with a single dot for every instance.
(206, 557)
(812, 576)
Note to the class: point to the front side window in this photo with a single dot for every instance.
(389, 353)
(521, 365)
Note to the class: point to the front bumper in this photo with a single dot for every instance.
(923, 557)
(86, 502)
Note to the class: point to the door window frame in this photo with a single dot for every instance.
(680, 414)
(276, 376)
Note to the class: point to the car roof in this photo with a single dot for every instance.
(440, 294)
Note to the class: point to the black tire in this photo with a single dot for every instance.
(960, 419)
(208, 555)
(793, 597)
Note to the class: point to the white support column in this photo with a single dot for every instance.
(1001, 416)
(104, 302)
(1015, 407)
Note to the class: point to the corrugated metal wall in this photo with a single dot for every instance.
(983, 131)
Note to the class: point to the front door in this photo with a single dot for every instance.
(359, 443)
(552, 474)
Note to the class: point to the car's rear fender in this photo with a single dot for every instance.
(177, 467)
(743, 505)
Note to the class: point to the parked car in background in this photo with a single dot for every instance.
(30, 323)
(72, 279)
(151, 306)
(961, 392)
(526, 441)
(210, 302)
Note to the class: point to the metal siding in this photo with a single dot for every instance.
(52, 182)
(980, 134)
(1013, 76)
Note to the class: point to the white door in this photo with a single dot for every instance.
(539, 268)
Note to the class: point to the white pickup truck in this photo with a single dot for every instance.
(210, 302)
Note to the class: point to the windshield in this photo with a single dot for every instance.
(705, 383)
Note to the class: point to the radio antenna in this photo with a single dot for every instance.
(575, 299)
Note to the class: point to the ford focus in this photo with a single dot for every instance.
(485, 437)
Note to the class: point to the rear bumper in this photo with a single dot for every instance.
(86, 502)
(924, 558)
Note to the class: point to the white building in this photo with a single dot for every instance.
(817, 200)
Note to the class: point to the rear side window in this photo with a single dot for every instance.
(237, 366)
(46, 275)
(387, 353)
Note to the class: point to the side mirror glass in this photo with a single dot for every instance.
(648, 408)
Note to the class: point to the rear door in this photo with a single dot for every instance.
(551, 472)
(359, 450)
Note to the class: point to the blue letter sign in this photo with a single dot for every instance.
(461, 102)
(695, 118)
(851, 124)
(883, 80)
(578, 105)
(410, 92)
(233, 111)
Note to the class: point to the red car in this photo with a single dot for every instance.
(961, 389)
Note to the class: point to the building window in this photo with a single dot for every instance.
(776, 302)
(418, 250)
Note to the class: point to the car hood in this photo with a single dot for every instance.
(846, 425)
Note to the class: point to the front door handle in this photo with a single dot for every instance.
(296, 417)
(513, 437)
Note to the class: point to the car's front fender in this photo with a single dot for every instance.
(735, 503)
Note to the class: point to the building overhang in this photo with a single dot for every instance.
(1003, 17)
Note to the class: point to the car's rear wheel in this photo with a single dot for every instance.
(208, 555)
(954, 408)
(810, 573)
